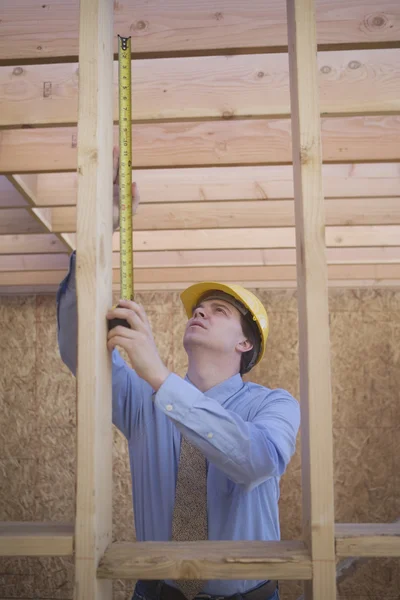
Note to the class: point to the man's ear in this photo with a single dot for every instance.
(244, 346)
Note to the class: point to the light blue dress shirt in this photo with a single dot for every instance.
(247, 433)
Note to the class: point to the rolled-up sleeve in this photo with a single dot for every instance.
(249, 452)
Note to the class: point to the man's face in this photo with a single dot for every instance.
(215, 325)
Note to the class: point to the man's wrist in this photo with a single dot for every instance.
(158, 378)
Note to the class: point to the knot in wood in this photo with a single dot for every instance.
(376, 21)
(325, 69)
(18, 71)
(219, 16)
(354, 64)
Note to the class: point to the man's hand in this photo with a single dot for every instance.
(138, 342)
(135, 192)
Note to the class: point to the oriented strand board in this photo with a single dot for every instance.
(365, 327)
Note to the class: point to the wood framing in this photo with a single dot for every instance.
(93, 528)
(206, 560)
(368, 539)
(229, 183)
(36, 539)
(214, 87)
(159, 30)
(223, 143)
(314, 344)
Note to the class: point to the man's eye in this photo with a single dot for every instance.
(221, 309)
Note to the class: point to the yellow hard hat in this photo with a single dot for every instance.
(191, 296)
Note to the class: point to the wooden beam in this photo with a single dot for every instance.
(246, 142)
(219, 87)
(312, 285)
(159, 30)
(233, 274)
(207, 258)
(9, 196)
(368, 539)
(36, 539)
(93, 525)
(39, 243)
(18, 220)
(232, 183)
(27, 186)
(34, 262)
(250, 213)
(207, 560)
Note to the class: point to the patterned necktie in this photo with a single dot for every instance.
(189, 521)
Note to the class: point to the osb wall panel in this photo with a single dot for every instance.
(38, 421)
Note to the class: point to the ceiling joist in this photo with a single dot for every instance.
(249, 142)
(48, 32)
(226, 87)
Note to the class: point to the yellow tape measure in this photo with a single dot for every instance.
(125, 167)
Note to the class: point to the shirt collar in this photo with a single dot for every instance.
(224, 390)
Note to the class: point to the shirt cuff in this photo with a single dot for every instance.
(176, 397)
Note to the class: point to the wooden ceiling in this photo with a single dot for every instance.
(211, 141)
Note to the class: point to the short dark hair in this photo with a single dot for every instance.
(250, 330)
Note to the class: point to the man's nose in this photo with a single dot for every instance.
(199, 312)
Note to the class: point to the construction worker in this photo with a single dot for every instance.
(206, 451)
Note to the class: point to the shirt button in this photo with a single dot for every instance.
(169, 407)
(210, 435)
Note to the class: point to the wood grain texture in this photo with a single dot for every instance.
(367, 539)
(43, 243)
(93, 522)
(313, 311)
(35, 539)
(222, 215)
(232, 183)
(47, 31)
(251, 142)
(205, 560)
(220, 87)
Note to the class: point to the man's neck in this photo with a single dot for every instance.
(205, 373)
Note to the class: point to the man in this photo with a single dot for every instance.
(207, 451)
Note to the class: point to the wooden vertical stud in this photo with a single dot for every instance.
(94, 288)
(314, 350)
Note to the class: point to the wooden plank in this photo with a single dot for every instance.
(206, 560)
(351, 83)
(27, 186)
(19, 220)
(39, 243)
(232, 183)
(221, 143)
(34, 262)
(251, 213)
(9, 196)
(235, 274)
(312, 285)
(207, 258)
(368, 539)
(36, 539)
(392, 284)
(46, 32)
(283, 237)
(93, 525)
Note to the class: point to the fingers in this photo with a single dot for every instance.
(129, 315)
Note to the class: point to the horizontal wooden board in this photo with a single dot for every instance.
(284, 237)
(224, 274)
(213, 143)
(225, 87)
(9, 195)
(43, 32)
(368, 539)
(36, 539)
(19, 220)
(233, 183)
(36, 243)
(205, 560)
(249, 213)
(205, 258)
